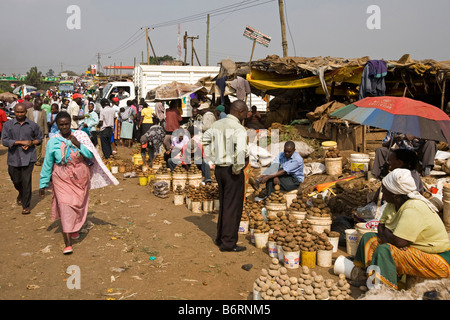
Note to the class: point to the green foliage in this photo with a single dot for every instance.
(158, 60)
(34, 77)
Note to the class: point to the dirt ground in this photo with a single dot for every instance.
(134, 246)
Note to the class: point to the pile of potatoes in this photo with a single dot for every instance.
(299, 237)
(333, 153)
(276, 284)
(159, 160)
(320, 208)
(299, 204)
(275, 221)
(252, 208)
(163, 170)
(179, 190)
(276, 196)
(179, 170)
(207, 192)
(258, 223)
(194, 170)
(194, 194)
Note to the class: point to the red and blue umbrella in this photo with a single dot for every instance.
(399, 114)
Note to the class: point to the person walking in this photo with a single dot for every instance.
(70, 155)
(106, 125)
(90, 123)
(39, 116)
(225, 143)
(21, 136)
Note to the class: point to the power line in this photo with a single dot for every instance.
(216, 12)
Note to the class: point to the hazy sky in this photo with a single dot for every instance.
(35, 32)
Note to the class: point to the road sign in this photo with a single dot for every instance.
(257, 36)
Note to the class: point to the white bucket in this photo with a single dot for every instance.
(208, 206)
(335, 243)
(292, 259)
(280, 253)
(333, 166)
(252, 236)
(189, 203)
(216, 204)
(345, 266)
(196, 206)
(289, 197)
(359, 162)
(325, 258)
(319, 224)
(261, 240)
(351, 237)
(273, 249)
(256, 295)
(178, 199)
(243, 227)
(361, 229)
(114, 169)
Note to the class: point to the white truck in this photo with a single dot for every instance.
(147, 77)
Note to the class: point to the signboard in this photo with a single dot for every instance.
(93, 69)
(257, 36)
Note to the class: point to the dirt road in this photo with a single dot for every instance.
(134, 246)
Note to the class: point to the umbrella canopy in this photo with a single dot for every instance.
(7, 96)
(28, 88)
(174, 90)
(398, 114)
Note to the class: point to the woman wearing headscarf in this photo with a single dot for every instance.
(411, 240)
(72, 167)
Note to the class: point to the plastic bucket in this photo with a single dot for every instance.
(208, 206)
(137, 160)
(243, 227)
(273, 249)
(256, 295)
(114, 169)
(216, 204)
(280, 253)
(178, 182)
(351, 240)
(252, 236)
(292, 259)
(308, 259)
(319, 224)
(298, 215)
(178, 199)
(261, 240)
(333, 166)
(189, 203)
(361, 229)
(289, 197)
(325, 258)
(344, 266)
(143, 181)
(327, 145)
(335, 243)
(371, 160)
(196, 206)
(359, 162)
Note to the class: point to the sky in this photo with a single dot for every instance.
(41, 33)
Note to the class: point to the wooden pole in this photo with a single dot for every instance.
(443, 91)
(148, 49)
(207, 40)
(153, 49)
(198, 61)
(185, 46)
(283, 28)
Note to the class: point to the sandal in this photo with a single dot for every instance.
(68, 250)
(75, 235)
(26, 211)
(19, 200)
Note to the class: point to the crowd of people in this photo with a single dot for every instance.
(411, 237)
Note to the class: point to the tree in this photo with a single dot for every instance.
(70, 73)
(158, 60)
(50, 73)
(34, 77)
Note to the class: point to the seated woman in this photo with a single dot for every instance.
(411, 240)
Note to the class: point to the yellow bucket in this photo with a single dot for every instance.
(137, 159)
(150, 178)
(308, 259)
(143, 181)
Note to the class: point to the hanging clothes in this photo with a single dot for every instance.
(242, 87)
(222, 84)
(373, 79)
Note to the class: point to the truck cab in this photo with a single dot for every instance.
(112, 89)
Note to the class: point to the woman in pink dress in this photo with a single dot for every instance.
(71, 168)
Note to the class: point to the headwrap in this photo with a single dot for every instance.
(115, 99)
(220, 108)
(76, 95)
(400, 181)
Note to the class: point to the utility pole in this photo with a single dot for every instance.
(193, 52)
(283, 28)
(148, 49)
(207, 40)
(185, 46)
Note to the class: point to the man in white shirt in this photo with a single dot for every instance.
(74, 110)
(106, 125)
